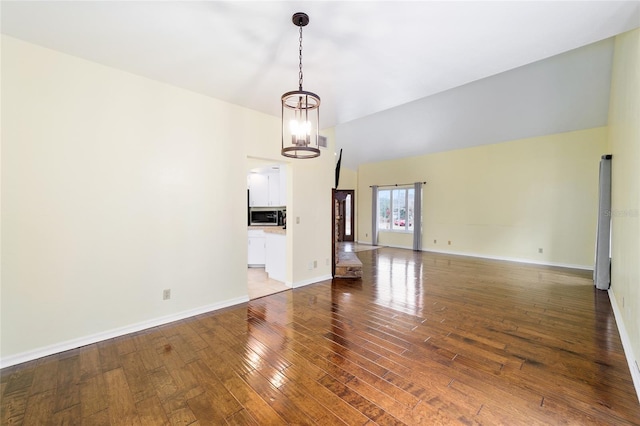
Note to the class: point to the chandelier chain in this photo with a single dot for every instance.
(300, 57)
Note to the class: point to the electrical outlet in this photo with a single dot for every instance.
(435, 241)
(327, 262)
(310, 267)
(540, 250)
(449, 242)
(366, 234)
(166, 294)
(315, 264)
(297, 220)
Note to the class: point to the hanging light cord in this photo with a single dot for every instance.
(300, 73)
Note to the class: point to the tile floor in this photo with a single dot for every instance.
(261, 285)
(347, 246)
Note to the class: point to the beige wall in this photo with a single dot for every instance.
(505, 200)
(624, 139)
(349, 180)
(115, 187)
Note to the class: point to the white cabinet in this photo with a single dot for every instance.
(274, 189)
(276, 260)
(258, 190)
(267, 190)
(283, 186)
(257, 252)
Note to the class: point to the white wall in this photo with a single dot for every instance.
(115, 187)
(559, 94)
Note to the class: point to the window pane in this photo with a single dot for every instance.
(399, 197)
(384, 209)
(347, 215)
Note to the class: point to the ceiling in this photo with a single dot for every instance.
(362, 58)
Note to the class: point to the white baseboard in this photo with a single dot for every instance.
(514, 259)
(626, 343)
(116, 332)
(485, 256)
(309, 281)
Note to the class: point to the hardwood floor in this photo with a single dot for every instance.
(421, 339)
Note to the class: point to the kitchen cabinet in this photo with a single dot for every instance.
(257, 248)
(274, 190)
(276, 259)
(283, 186)
(267, 190)
(258, 190)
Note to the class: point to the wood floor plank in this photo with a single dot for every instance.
(40, 408)
(89, 362)
(151, 412)
(163, 383)
(100, 418)
(285, 408)
(122, 407)
(137, 377)
(68, 380)
(359, 402)
(224, 401)
(182, 416)
(14, 406)
(93, 396)
(242, 418)
(422, 338)
(109, 356)
(253, 403)
(204, 409)
(65, 416)
(342, 410)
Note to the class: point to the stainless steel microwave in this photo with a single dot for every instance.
(265, 217)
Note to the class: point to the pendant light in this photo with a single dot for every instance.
(300, 112)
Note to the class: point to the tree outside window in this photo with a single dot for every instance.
(395, 209)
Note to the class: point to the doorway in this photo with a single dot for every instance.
(267, 261)
(345, 215)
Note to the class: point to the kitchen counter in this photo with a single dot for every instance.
(269, 229)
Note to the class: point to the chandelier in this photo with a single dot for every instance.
(300, 112)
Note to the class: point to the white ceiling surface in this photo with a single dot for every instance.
(361, 57)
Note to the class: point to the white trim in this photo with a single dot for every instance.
(626, 344)
(515, 259)
(311, 281)
(485, 256)
(396, 231)
(116, 332)
(394, 246)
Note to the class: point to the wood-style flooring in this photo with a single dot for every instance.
(422, 339)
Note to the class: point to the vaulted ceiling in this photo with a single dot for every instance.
(438, 74)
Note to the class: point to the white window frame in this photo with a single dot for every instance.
(391, 218)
